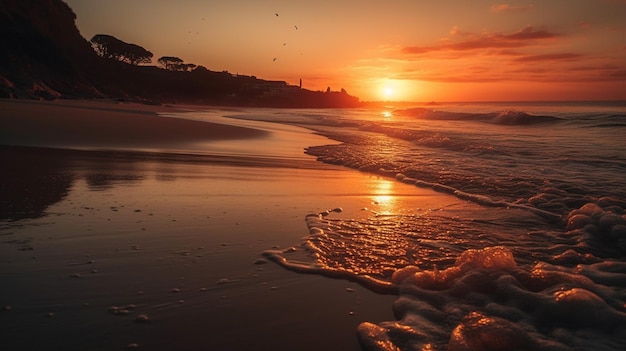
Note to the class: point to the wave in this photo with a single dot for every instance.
(475, 297)
(486, 302)
(538, 267)
(595, 121)
(611, 125)
(507, 117)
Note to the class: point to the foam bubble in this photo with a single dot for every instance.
(487, 302)
(491, 258)
(603, 230)
(142, 318)
(478, 331)
(578, 221)
(372, 337)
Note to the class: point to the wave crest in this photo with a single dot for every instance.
(506, 117)
(512, 117)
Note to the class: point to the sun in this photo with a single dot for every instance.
(392, 89)
(388, 91)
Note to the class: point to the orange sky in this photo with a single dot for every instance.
(419, 50)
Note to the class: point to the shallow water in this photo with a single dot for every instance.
(545, 272)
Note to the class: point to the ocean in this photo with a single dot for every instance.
(539, 267)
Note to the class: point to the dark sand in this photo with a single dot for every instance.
(105, 124)
(175, 237)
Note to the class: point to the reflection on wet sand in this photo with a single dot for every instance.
(36, 178)
(30, 182)
(180, 238)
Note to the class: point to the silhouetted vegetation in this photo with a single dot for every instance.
(110, 47)
(173, 63)
(43, 56)
(169, 62)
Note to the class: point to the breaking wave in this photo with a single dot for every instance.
(507, 117)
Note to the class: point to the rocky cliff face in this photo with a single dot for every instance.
(42, 54)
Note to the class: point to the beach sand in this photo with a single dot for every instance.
(105, 124)
(112, 247)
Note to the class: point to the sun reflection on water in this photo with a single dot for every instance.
(384, 196)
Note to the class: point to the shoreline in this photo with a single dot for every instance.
(180, 238)
(116, 232)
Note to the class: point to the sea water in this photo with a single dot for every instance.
(547, 273)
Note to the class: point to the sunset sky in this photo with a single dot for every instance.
(419, 50)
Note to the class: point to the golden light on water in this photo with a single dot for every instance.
(384, 197)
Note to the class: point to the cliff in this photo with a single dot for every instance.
(43, 56)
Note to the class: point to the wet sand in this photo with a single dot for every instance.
(102, 250)
(106, 124)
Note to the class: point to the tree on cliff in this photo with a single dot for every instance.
(110, 47)
(173, 63)
(169, 61)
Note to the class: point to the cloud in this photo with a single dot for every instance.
(569, 75)
(530, 33)
(529, 54)
(522, 38)
(512, 66)
(508, 8)
(521, 74)
(607, 72)
(548, 57)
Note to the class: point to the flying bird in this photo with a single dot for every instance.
(276, 14)
(274, 60)
(296, 27)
